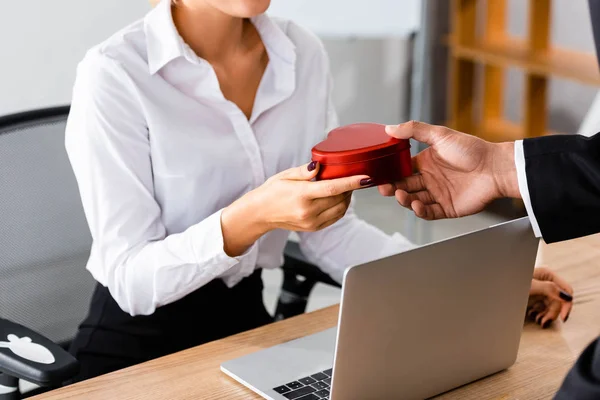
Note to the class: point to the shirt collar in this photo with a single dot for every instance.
(277, 43)
(164, 43)
(162, 39)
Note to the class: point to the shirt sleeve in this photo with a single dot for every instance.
(107, 141)
(350, 241)
(523, 188)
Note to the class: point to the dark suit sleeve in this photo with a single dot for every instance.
(563, 176)
(581, 169)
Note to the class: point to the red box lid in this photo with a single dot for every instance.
(357, 142)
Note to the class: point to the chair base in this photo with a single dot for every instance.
(9, 387)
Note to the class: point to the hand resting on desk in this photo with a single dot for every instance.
(550, 297)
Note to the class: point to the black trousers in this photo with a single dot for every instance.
(110, 339)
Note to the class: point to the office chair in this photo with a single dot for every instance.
(44, 245)
(299, 279)
(45, 289)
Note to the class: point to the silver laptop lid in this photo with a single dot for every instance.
(434, 318)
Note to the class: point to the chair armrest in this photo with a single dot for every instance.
(296, 262)
(27, 355)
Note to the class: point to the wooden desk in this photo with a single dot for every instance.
(544, 357)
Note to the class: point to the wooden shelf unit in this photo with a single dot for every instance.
(495, 50)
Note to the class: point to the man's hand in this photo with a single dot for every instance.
(456, 176)
(550, 297)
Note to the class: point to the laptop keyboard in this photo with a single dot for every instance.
(314, 387)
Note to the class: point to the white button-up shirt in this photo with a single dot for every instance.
(158, 152)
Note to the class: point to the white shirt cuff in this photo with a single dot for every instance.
(397, 244)
(231, 269)
(523, 187)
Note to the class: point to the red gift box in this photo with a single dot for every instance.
(363, 149)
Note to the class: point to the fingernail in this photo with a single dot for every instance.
(366, 182)
(312, 166)
(565, 296)
(547, 324)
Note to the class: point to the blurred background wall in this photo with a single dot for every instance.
(42, 42)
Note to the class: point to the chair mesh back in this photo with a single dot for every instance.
(44, 237)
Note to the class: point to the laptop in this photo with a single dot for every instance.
(411, 326)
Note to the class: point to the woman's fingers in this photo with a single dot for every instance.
(532, 314)
(334, 187)
(558, 293)
(333, 214)
(324, 188)
(329, 223)
(565, 311)
(304, 172)
(323, 212)
(559, 302)
(536, 309)
(546, 274)
(540, 316)
(549, 289)
(323, 204)
(564, 286)
(552, 313)
(543, 288)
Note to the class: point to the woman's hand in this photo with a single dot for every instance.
(549, 297)
(297, 204)
(288, 200)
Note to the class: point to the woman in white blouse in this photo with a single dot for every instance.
(185, 135)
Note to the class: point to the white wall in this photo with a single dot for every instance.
(366, 19)
(371, 78)
(371, 74)
(41, 42)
